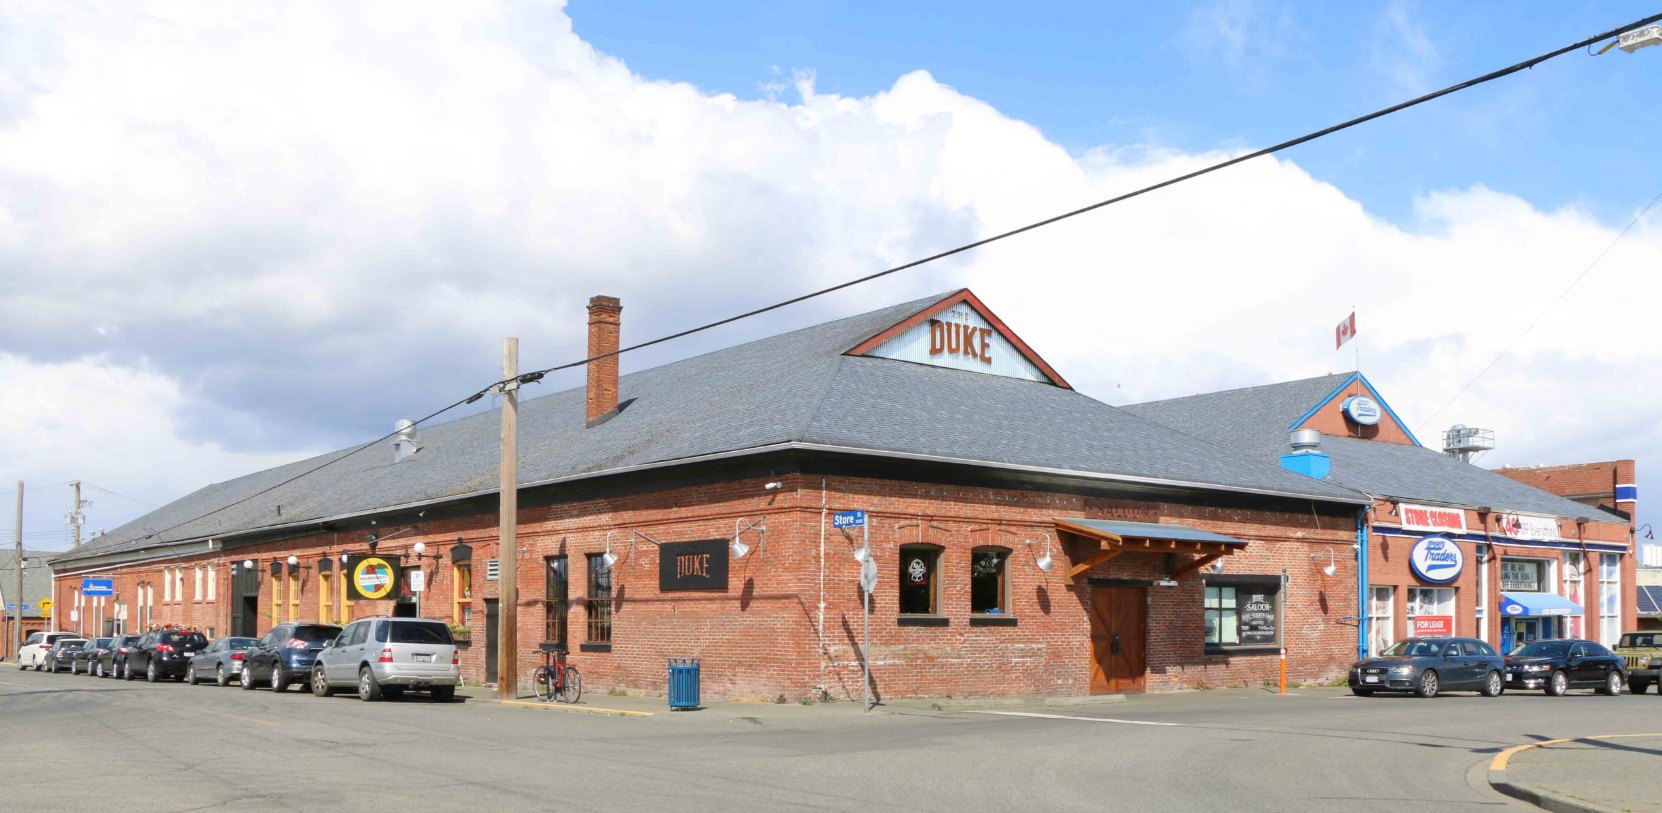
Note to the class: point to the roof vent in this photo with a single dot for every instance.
(404, 441)
(1463, 442)
(1307, 458)
(1306, 439)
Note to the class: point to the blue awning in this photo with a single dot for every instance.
(1521, 604)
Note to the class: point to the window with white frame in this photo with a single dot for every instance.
(167, 585)
(178, 584)
(1483, 592)
(1381, 618)
(1574, 583)
(1523, 576)
(197, 593)
(1431, 602)
(1610, 598)
(213, 590)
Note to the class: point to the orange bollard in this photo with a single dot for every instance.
(1283, 670)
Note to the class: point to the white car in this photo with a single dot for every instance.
(34, 650)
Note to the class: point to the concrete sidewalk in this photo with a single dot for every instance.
(1617, 772)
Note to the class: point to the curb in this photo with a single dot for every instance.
(985, 703)
(1544, 799)
(538, 704)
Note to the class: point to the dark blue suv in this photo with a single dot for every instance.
(286, 654)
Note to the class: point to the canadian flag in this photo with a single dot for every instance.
(1345, 331)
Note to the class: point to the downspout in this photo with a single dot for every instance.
(820, 627)
(1362, 581)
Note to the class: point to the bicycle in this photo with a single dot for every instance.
(555, 679)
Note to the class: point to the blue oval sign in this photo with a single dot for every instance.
(1436, 559)
(1362, 410)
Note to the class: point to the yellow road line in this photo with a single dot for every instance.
(579, 709)
(1501, 759)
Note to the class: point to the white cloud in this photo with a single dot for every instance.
(282, 229)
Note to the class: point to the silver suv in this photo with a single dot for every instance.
(383, 656)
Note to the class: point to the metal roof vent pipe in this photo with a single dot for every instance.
(1307, 457)
(404, 441)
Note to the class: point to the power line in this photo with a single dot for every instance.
(537, 375)
(1542, 315)
(1470, 83)
(103, 490)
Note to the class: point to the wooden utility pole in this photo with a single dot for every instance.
(507, 614)
(17, 580)
(76, 518)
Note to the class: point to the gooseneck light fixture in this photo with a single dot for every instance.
(608, 558)
(1045, 562)
(1332, 566)
(739, 548)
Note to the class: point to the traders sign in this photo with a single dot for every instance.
(700, 565)
(1432, 518)
(1362, 410)
(371, 578)
(1523, 526)
(1436, 559)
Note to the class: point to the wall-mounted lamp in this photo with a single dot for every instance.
(294, 563)
(1044, 562)
(773, 486)
(862, 554)
(1216, 566)
(420, 549)
(739, 548)
(248, 564)
(1647, 529)
(1330, 568)
(608, 558)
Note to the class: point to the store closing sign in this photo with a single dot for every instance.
(1432, 518)
(371, 578)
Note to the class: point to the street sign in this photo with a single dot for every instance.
(46, 605)
(868, 575)
(848, 519)
(92, 588)
(418, 581)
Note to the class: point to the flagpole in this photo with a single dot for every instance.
(1358, 345)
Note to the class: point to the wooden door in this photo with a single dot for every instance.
(1119, 634)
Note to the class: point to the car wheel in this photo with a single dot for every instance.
(150, 673)
(444, 694)
(190, 675)
(126, 670)
(368, 688)
(1428, 684)
(99, 669)
(1493, 685)
(320, 684)
(222, 677)
(278, 682)
(51, 668)
(1558, 684)
(1612, 684)
(245, 678)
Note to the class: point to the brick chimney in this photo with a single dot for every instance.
(605, 315)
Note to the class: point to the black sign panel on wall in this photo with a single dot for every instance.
(700, 565)
(1258, 609)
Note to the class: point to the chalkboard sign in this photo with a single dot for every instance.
(1257, 606)
(700, 565)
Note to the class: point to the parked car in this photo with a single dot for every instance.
(34, 649)
(113, 661)
(285, 655)
(1560, 665)
(1643, 653)
(87, 656)
(220, 662)
(382, 657)
(1426, 666)
(62, 654)
(163, 654)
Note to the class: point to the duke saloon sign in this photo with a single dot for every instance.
(700, 565)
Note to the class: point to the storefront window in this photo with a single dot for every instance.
(1223, 618)
(1431, 611)
(989, 592)
(1243, 611)
(1574, 579)
(1381, 618)
(555, 601)
(1523, 576)
(1610, 598)
(919, 565)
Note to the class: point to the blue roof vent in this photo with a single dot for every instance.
(1307, 458)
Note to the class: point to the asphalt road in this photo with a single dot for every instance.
(170, 747)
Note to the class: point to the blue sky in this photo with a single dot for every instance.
(1577, 131)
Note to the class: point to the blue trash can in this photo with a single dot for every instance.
(683, 683)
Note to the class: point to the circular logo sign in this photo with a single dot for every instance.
(1436, 559)
(1364, 411)
(373, 576)
(917, 571)
(1514, 609)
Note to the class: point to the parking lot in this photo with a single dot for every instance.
(175, 747)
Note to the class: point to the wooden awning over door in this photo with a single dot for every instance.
(1093, 542)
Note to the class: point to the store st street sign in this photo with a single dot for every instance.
(1523, 526)
(1436, 559)
(848, 519)
(93, 588)
(1432, 518)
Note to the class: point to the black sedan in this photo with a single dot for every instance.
(285, 655)
(163, 654)
(1426, 666)
(1558, 666)
(220, 662)
(61, 657)
(87, 656)
(113, 660)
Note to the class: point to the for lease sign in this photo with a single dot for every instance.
(1432, 518)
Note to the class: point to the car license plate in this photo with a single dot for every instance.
(189, 654)
(1370, 679)
(420, 658)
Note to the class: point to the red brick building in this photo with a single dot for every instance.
(1451, 548)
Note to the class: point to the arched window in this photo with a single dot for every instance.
(920, 582)
(989, 580)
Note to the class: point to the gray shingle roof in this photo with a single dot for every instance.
(1256, 420)
(37, 579)
(794, 388)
